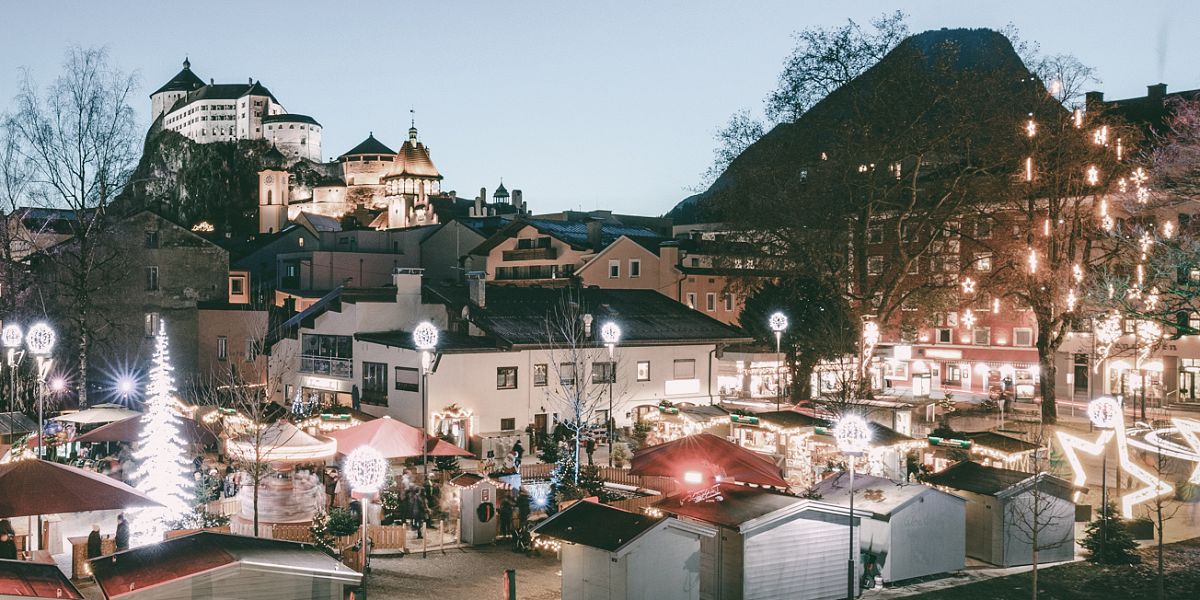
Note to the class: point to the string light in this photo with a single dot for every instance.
(1029, 168)
(365, 469)
(1093, 175)
(1033, 261)
(1168, 229)
(1078, 117)
(1120, 151)
(968, 319)
(1100, 137)
(1077, 272)
(995, 305)
(1107, 331)
(968, 286)
(1046, 227)
(1122, 185)
(1071, 300)
(1030, 127)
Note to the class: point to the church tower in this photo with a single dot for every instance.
(272, 200)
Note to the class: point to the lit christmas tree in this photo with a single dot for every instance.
(164, 472)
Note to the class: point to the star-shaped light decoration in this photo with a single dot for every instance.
(1189, 430)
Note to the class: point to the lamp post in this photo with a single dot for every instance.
(1103, 412)
(12, 338)
(425, 338)
(40, 340)
(610, 333)
(779, 324)
(366, 470)
(852, 436)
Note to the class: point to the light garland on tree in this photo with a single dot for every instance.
(164, 472)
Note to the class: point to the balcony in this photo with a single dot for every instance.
(530, 254)
(342, 368)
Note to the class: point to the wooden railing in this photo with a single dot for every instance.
(663, 485)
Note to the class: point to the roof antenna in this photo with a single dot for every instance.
(412, 112)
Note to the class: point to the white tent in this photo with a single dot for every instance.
(916, 530)
(101, 413)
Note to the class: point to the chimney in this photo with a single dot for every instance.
(594, 237)
(1093, 100)
(408, 290)
(477, 286)
(1156, 92)
(251, 80)
(518, 202)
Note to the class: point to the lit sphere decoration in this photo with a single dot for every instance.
(11, 336)
(778, 322)
(425, 336)
(852, 434)
(40, 339)
(365, 468)
(610, 333)
(1104, 412)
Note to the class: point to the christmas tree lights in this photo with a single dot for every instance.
(164, 472)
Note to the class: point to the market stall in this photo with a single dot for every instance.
(786, 436)
(671, 422)
(984, 447)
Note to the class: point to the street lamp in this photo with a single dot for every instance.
(425, 338)
(40, 340)
(1104, 412)
(779, 324)
(365, 469)
(852, 436)
(12, 337)
(610, 333)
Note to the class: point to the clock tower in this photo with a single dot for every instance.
(272, 200)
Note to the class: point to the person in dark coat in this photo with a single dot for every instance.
(506, 516)
(590, 448)
(524, 507)
(8, 546)
(93, 543)
(122, 533)
(518, 453)
(418, 510)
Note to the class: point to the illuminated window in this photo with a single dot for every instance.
(506, 378)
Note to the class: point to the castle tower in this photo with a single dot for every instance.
(272, 200)
(165, 97)
(411, 181)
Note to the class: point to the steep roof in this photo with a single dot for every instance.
(574, 233)
(742, 507)
(26, 579)
(413, 160)
(516, 315)
(971, 476)
(369, 146)
(183, 81)
(221, 91)
(178, 558)
(290, 118)
(597, 526)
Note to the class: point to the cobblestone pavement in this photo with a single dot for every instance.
(467, 574)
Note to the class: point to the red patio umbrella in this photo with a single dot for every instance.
(393, 439)
(39, 487)
(710, 455)
(128, 430)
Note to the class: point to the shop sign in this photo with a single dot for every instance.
(322, 383)
(744, 419)
(950, 442)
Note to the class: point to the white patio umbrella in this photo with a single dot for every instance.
(102, 413)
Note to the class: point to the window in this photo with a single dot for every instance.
(408, 379)
(508, 424)
(151, 239)
(237, 286)
(222, 348)
(1022, 336)
(875, 234)
(604, 372)
(685, 369)
(953, 374)
(151, 279)
(151, 324)
(643, 370)
(983, 229)
(983, 336)
(691, 299)
(506, 378)
(251, 349)
(635, 267)
(614, 269)
(874, 265)
(695, 262)
(566, 374)
(710, 302)
(327, 355)
(945, 336)
(541, 375)
(728, 302)
(983, 261)
(300, 241)
(952, 228)
(374, 383)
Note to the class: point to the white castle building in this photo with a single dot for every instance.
(225, 112)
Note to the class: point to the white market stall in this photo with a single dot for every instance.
(610, 553)
(914, 530)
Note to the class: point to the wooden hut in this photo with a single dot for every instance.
(670, 423)
(999, 513)
(769, 545)
(609, 553)
(988, 448)
(23, 580)
(219, 565)
(914, 530)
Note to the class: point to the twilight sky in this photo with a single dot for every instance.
(581, 105)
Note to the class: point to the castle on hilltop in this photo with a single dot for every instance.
(226, 112)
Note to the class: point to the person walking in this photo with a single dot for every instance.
(419, 511)
(590, 447)
(506, 516)
(93, 543)
(524, 507)
(518, 453)
(122, 533)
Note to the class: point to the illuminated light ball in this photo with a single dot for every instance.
(1104, 412)
(693, 477)
(852, 434)
(425, 336)
(778, 322)
(610, 333)
(58, 385)
(40, 339)
(125, 386)
(365, 469)
(11, 336)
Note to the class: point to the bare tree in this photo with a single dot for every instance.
(581, 366)
(1161, 509)
(1032, 513)
(79, 140)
